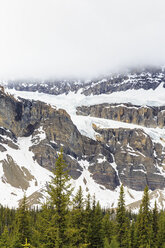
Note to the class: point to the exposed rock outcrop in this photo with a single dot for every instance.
(24, 118)
(142, 78)
(133, 151)
(14, 175)
(144, 116)
(118, 155)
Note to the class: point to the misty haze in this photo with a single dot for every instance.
(82, 123)
(79, 39)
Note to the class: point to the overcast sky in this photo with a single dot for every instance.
(79, 38)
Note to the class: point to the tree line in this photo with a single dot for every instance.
(80, 222)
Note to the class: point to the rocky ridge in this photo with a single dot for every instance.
(142, 78)
(127, 155)
(146, 116)
(25, 118)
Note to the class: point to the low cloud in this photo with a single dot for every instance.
(79, 38)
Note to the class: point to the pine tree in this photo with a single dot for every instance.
(107, 227)
(114, 243)
(45, 230)
(59, 192)
(87, 220)
(161, 231)
(78, 201)
(155, 217)
(23, 227)
(106, 243)
(122, 222)
(76, 230)
(95, 227)
(131, 235)
(4, 239)
(144, 222)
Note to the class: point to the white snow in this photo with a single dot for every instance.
(101, 160)
(39, 137)
(84, 123)
(107, 198)
(70, 102)
(24, 158)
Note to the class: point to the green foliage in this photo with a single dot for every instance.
(22, 227)
(78, 201)
(161, 231)
(106, 243)
(85, 224)
(114, 243)
(107, 227)
(144, 222)
(45, 227)
(122, 221)
(16, 242)
(155, 227)
(95, 228)
(59, 192)
(5, 239)
(77, 227)
(131, 235)
(88, 213)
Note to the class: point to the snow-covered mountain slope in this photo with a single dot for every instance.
(20, 173)
(26, 175)
(71, 101)
(105, 150)
(142, 78)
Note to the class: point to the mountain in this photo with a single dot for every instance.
(142, 78)
(112, 131)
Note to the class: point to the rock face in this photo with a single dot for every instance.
(14, 175)
(118, 155)
(24, 118)
(144, 116)
(146, 78)
(142, 78)
(133, 151)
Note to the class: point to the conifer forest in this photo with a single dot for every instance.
(80, 222)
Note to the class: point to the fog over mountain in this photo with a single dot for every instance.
(79, 38)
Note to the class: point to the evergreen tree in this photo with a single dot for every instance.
(78, 201)
(131, 238)
(76, 231)
(23, 227)
(4, 239)
(144, 222)
(87, 220)
(122, 222)
(161, 231)
(106, 243)
(44, 234)
(107, 227)
(155, 217)
(114, 243)
(95, 227)
(59, 192)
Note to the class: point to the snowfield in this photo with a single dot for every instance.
(84, 123)
(24, 158)
(70, 102)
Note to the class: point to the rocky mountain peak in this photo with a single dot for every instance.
(105, 144)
